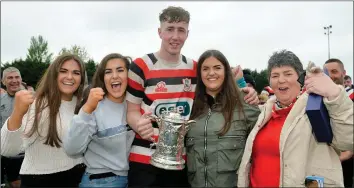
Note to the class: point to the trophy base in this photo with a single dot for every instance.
(167, 164)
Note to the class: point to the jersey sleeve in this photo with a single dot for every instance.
(136, 80)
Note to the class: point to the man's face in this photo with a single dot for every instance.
(348, 82)
(336, 72)
(12, 81)
(173, 36)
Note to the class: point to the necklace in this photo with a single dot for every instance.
(277, 102)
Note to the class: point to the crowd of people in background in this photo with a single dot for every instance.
(70, 133)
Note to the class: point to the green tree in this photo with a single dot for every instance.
(77, 50)
(90, 69)
(261, 79)
(38, 50)
(31, 71)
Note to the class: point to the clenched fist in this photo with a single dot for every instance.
(23, 99)
(95, 96)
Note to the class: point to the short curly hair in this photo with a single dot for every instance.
(285, 58)
(174, 14)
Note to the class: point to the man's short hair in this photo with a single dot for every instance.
(173, 14)
(8, 70)
(334, 60)
(347, 77)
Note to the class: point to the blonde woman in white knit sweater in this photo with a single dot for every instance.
(37, 125)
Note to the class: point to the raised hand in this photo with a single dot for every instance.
(95, 96)
(319, 83)
(237, 72)
(23, 99)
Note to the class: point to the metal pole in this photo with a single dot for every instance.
(328, 32)
(329, 52)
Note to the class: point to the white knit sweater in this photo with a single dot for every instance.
(40, 158)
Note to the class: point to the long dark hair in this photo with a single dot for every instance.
(229, 97)
(49, 95)
(85, 95)
(98, 77)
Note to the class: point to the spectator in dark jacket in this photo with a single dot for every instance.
(249, 79)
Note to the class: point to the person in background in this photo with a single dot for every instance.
(100, 131)
(10, 166)
(216, 142)
(23, 86)
(349, 87)
(336, 70)
(262, 99)
(38, 123)
(337, 73)
(30, 88)
(249, 79)
(348, 81)
(281, 150)
(13, 82)
(268, 91)
(265, 94)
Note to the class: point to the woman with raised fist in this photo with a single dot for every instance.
(100, 131)
(38, 123)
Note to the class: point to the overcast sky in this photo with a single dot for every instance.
(246, 32)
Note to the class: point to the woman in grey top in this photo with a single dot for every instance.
(100, 131)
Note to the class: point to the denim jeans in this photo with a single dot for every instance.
(115, 181)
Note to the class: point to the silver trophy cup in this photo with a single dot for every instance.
(170, 145)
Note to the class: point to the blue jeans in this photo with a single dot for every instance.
(115, 181)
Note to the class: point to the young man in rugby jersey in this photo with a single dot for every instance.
(337, 73)
(159, 82)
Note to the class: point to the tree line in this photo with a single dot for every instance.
(38, 58)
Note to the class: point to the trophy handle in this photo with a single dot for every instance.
(153, 144)
(188, 124)
(157, 119)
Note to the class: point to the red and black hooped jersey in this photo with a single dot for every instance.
(159, 86)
